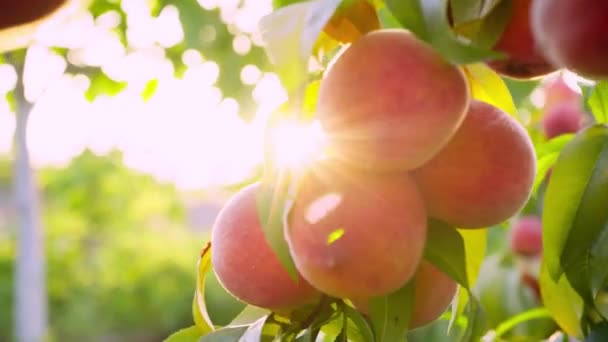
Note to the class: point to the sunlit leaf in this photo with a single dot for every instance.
(475, 241)
(488, 87)
(528, 315)
(190, 334)
(352, 20)
(11, 101)
(290, 34)
(547, 154)
(101, 84)
(255, 332)
(249, 315)
(390, 314)
(387, 19)
(282, 3)
(227, 334)
(575, 214)
(564, 304)
(149, 89)
(273, 202)
(222, 307)
(199, 307)
(598, 102)
(465, 10)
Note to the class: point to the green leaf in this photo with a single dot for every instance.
(409, 14)
(554, 145)
(547, 154)
(282, 3)
(387, 19)
(190, 334)
(564, 304)
(466, 10)
(228, 334)
(459, 253)
(11, 101)
(199, 307)
(273, 202)
(475, 241)
(360, 322)
(598, 102)
(261, 331)
(101, 84)
(477, 323)
(249, 315)
(192, 18)
(486, 31)
(488, 87)
(520, 90)
(390, 314)
(599, 333)
(574, 214)
(428, 20)
(290, 34)
(149, 89)
(222, 307)
(528, 315)
(445, 249)
(598, 262)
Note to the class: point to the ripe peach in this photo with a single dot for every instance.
(558, 91)
(433, 293)
(18, 12)
(527, 236)
(19, 20)
(518, 43)
(244, 262)
(572, 34)
(356, 234)
(561, 119)
(485, 173)
(378, 101)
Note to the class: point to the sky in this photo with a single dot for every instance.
(187, 133)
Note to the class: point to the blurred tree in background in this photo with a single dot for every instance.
(119, 258)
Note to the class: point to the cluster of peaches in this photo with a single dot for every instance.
(408, 143)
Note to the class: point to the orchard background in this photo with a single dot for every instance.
(127, 125)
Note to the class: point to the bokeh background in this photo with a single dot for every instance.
(145, 116)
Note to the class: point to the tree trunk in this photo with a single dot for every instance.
(30, 271)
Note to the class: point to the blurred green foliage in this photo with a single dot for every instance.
(121, 264)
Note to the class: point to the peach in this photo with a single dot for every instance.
(572, 34)
(558, 91)
(517, 41)
(527, 236)
(433, 293)
(18, 12)
(561, 119)
(485, 173)
(378, 101)
(244, 262)
(356, 234)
